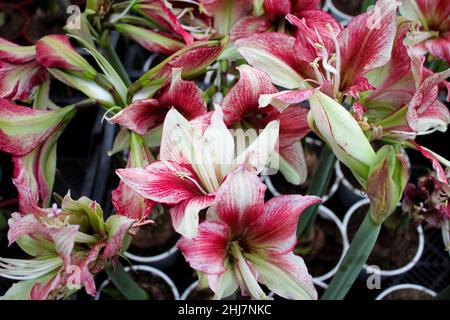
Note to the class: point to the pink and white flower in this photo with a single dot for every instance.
(241, 108)
(66, 245)
(244, 241)
(195, 157)
(20, 74)
(431, 30)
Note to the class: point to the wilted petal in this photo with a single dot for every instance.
(208, 250)
(23, 225)
(116, 227)
(22, 129)
(40, 291)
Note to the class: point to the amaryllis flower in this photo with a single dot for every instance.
(274, 15)
(428, 201)
(127, 202)
(145, 114)
(244, 241)
(338, 60)
(431, 29)
(406, 99)
(195, 157)
(20, 74)
(68, 246)
(241, 108)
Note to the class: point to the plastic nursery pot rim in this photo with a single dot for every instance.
(386, 273)
(341, 15)
(326, 213)
(326, 197)
(315, 281)
(152, 259)
(189, 289)
(149, 269)
(405, 286)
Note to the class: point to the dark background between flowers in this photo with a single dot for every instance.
(84, 168)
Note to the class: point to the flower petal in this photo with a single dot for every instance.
(22, 129)
(162, 181)
(366, 42)
(185, 215)
(208, 250)
(239, 201)
(275, 229)
(140, 116)
(286, 275)
(273, 53)
(184, 96)
(242, 99)
(248, 26)
(153, 41)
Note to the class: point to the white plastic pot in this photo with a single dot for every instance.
(149, 269)
(340, 16)
(405, 286)
(162, 261)
(326, 213)
(385, 273)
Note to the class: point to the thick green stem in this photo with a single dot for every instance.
(124, 283)
(360, 248)
(318, 187)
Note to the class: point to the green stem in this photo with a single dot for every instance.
(126, 285)
(318, 187)
(112, 57)
(360, 248)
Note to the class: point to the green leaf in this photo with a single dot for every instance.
(125, 284)
(350, 267)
